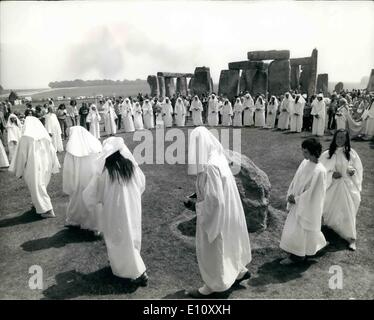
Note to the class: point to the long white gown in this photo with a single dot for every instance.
(54, 129)
(369, 118)
(222, 242)
(272, 113)
(35, 160)
(120, 219)
(343, 195)
(4, 162)
(302, 234)
(196, 109)
(341, 117)
(296, 122)
(109, 118)
(259, 113)
(127, 114)
(180, 113)
(82, 151)
(213, 111)
(148, 115)
(249, 109)
(285, 110)
(167, 114)
(138, 118)
(238, 112)
(227, 113)
(14, 134)
(318, 108)
(94, 118)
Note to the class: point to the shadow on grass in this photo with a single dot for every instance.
(336, 243)
(27, 217)
(60, 239)
(72, 284)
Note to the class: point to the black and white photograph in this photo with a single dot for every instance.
(186, 151)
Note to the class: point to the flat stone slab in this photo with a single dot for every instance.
(244, 65)
(269, 55)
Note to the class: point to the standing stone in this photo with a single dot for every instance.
(161, 86)
(295, 77)
(323, 83)
(254, 189)
(169, 86)
(229, 83)
(339, 87)
(305, 78)
(201, 81)
(370, 86)
(153, 83)
(259, 83)
(269, 55)
(279, 77)
(247, 80)
(211, 85)
(182, 85)
(313, 73)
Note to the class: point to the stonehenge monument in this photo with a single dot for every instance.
(322, 83)
(228, 83)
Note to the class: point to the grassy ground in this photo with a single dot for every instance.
(75, 263)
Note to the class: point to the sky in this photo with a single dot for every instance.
(42, 41)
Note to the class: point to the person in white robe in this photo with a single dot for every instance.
(296, 122)
(180, 113)
(271, 112)
(127, 114)
(344, 183)
(167, 113)
(222, 242)
(82, 151)
(94, 118)
(302, 236)
(213, 110)
(238, 113)
(368, 117)
(14, 133)
(341, 114)
(249, 109)
(4, 161)
(227, 113)
(319, 113)
(285, 110)
(35, 160)
(157, 107)
(54, 129)
(260, 112)
(109, 118)
(138, 118)
(118, 186)
(196, 109)
(148, 115)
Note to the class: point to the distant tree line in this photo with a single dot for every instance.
(88, 83)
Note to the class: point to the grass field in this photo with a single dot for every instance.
(75, 264)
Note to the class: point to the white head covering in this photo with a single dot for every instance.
(10, 124)
(202, 144)
(34, 128)
(82, 143)
(320, 95)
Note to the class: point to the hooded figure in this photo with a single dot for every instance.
(4, 162)
(148, 115)
(93, 118)
(222, 243)
(35, 160)
(127, 114)
(118, 186)
(82, 151)
(296, 123)
(272, 112)
(341, 114)
(54, 129)
(110, 118)
(138, 119)
(285, 111)
(249, 109)
(180, 113)
(319, 114)
(14, 133)
(167, 113)
(260, 112)
(196, 109)
(238, 111)
(213, 111)
(227, 113)
(368, 117)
